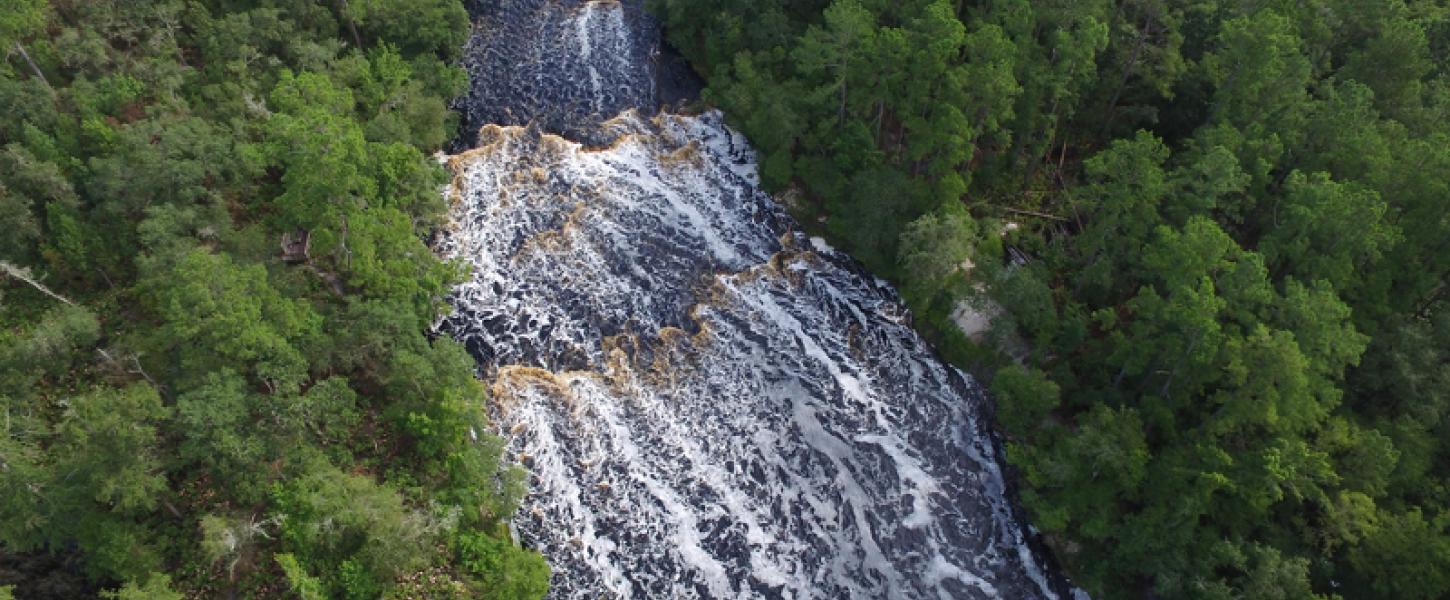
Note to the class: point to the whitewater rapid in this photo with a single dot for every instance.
(709, 403)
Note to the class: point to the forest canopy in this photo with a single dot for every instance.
(1218, 235)
(213, 362)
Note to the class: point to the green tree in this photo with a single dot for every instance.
(504, 570)
(21, 19)
(227, 314)
(1326, 230)
(1407, 556)
(157, 587)
(1128, 185)
(1024, 397)
(828, 53)
(223, 433)
(95, 484)
(1394, 62)
(1260, 70)
(428, 27)
(162, 368)
(305, 586)
(332, 519)
(935, 246)
(52, 345)
(108, 446)
(1142, 61)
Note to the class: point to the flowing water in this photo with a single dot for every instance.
(710, 404)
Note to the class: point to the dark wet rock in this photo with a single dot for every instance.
(565, 66)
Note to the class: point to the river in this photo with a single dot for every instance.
(709, 403)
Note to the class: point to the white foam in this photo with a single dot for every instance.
(805, 441)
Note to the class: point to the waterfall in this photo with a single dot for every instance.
(710, 404)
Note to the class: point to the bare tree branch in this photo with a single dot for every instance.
(1034, 213)
(33, 68)
(346, 12)
(23, 274)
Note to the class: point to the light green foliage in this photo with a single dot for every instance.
(439, 407)
(324, 154)
(1260, 70)
(17, 218)
(504, 571)
(1321, 325)
(107, 442)
(1078, 481)
(207, 301)
(935, 246)
(1272, 576)
(157, 587)
(1128, 185)
(20, 19)
(1365, 458)
(350, 527)
(225, 540)
(325, 412)
(354, 197)
(1328, 230)
(871, 107)
(25, 524)
(28, 186)
(401, 103)
(443, 399)
(223, 433)
(305, 586)
(175, 163)
(1350, 518)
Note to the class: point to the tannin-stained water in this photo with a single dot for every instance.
(710, 404)
(564, 65)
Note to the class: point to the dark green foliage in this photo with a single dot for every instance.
(1024, 397)
(99, 478)
(193, 410)
(1233, 319)
(426, 27)
(1406, 556)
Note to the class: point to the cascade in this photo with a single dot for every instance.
(710, 404)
